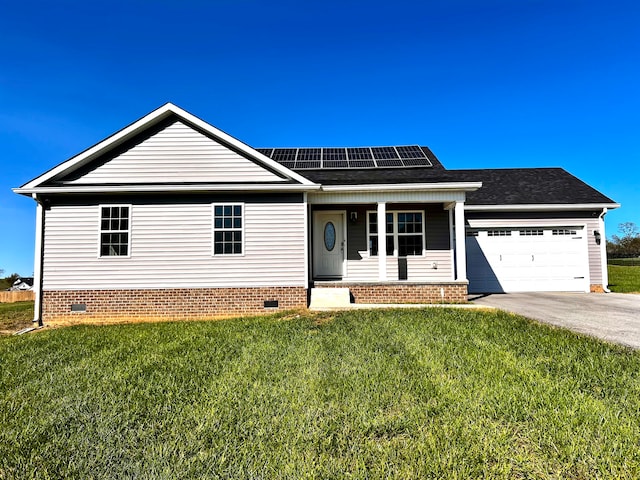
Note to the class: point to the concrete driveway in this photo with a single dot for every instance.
(614, 317)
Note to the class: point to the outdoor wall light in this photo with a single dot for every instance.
(353, 216)
(596, 233)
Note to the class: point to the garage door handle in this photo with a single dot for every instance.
(532, 259)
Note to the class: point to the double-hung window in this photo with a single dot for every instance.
(373, 234)
(404, 235)
(114, 230)
(228, 229)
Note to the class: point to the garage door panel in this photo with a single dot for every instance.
(532, 259)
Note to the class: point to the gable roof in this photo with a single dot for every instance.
(159, 117)
(416, 167)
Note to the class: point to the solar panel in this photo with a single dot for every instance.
(309, 154)
(416, 162)
(359, 153)
(361, 164)
(390, 163)
(265, 151)
(335, 164)
(384, 153)
(412, 151)
(334, 154)
(284, 154)
(312, 164)
(351, 157)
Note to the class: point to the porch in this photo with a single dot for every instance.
(389, 247)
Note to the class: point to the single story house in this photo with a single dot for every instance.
(21, 284)
(171, 217)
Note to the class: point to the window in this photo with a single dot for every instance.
(114, 231)
(498, 233)
(373, 233)
(531, 232)
(564, 231)
(227, 229)
(409, 233)
(405, 233)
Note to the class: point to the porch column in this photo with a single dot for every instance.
(461, 251)
(382, 241)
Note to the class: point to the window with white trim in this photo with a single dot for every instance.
(531, 232)
(227, 229)
(114, 230)
(404, 234)
(498, 233)
(564, 231)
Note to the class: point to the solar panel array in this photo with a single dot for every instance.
(350, 157)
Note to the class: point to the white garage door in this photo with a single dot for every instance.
(528, 259)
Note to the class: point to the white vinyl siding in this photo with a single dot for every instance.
(178, 154)
(171, 248)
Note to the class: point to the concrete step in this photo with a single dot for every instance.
(329, 298)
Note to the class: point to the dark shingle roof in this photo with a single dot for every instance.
(515, 186)
(508, 186)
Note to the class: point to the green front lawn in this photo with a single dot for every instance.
(624, 279)
(14, 317)
(431, 393)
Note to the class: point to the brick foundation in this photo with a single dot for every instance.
(169, 303)
(404, 292)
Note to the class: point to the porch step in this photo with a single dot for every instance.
(329, 298)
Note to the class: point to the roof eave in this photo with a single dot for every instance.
(166, 188)
(451, 186)
(541, 207)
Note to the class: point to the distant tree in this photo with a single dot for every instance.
(627, 244)
(7, 282)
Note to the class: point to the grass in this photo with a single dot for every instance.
(15, 316)
(628, 262)
(431, 393)
(624, 279)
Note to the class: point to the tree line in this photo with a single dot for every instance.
(625, 245)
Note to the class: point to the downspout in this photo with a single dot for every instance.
(38, 260)
(603, 252)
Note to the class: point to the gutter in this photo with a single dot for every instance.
(540, 207)
(603, 253)
(204, 188)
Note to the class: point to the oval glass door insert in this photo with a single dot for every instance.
(329, 236)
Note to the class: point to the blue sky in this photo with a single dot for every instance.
(484, 83)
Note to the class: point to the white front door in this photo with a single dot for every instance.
(328, 244)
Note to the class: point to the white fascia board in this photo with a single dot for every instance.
(458, 186)
(147, 121)
(168, 188)
(543, 206)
